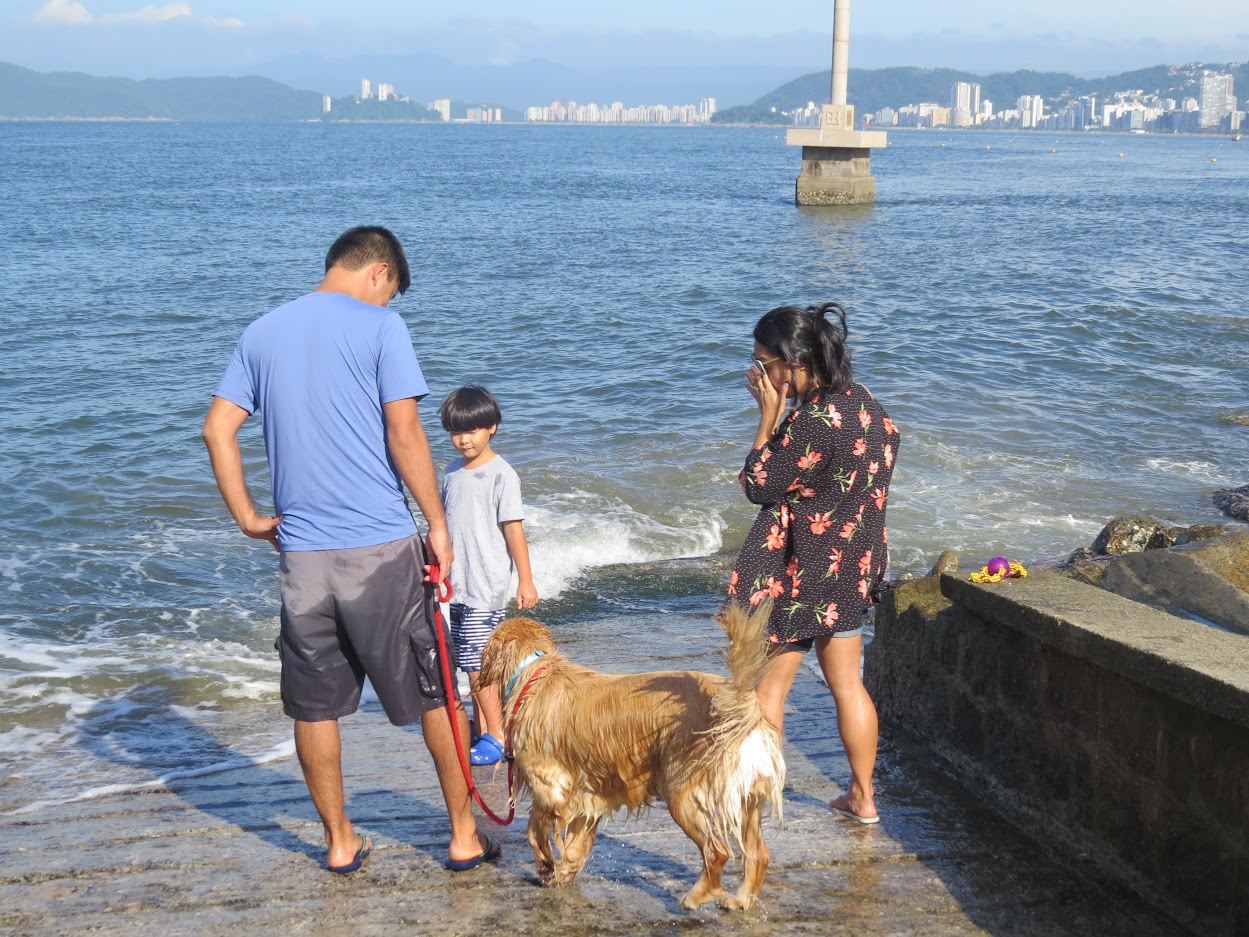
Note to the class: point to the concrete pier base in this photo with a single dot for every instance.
(836, 163)
(835, 176)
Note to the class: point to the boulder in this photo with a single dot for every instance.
(1085, 566)
(1206, 580)
(1226, 556)
(1200, 532)
(1234, 502)
(1134, 533)
(947, 562)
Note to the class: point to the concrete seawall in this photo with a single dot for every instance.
(1109, 729)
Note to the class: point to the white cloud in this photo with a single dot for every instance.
(63, 11)
(73, 13)
(149, 14)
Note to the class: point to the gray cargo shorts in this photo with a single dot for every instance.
(347, 614)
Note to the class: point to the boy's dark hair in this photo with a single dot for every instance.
(370, 244)
(468, 408)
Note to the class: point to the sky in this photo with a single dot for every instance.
(136, 39)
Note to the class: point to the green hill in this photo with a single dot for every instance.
(30, 94)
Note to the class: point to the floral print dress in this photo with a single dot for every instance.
(819, 546)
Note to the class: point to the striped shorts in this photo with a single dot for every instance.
(470, 630)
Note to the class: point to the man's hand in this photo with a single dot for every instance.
(262, 527)
(438, 548)
(221, 435)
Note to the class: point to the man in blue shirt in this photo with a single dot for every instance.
(336, 380)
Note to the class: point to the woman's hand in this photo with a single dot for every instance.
(771, 403)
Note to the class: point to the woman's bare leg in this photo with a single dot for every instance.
(856, 718)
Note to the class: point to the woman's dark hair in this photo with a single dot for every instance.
(468, 408)
(815, 337)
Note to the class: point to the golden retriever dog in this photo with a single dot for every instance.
(587, 744)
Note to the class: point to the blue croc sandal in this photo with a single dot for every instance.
(487, 751)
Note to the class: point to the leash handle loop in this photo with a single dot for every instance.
(442, 587)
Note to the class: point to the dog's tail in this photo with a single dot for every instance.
(745, 749)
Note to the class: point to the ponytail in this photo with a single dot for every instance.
(830, 358)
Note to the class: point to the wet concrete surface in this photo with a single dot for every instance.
(240, 852)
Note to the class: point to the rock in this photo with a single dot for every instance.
(1162, 539)
(1199, 532)
(904, 576)
(946, 563)
(1081, 554)
(1184, 582)
(1130, 534)
(1085, 566)
(1227, 556)
(1234, 502)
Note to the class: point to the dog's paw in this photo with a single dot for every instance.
(545, 870)
(699, 895)
(563, 876)
(738, 902)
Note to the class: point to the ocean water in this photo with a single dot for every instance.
(1055, 322)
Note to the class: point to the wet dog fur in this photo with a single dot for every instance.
(587, 744)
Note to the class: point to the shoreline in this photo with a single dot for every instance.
(1100, 131)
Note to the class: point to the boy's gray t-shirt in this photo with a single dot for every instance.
(477, 501)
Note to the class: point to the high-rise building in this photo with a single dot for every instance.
(1086, 112)
(1217, 99)
(443, 107)
(326, 104)
(1031, 110)
(385, 91)
(964, 103)
(366, 89)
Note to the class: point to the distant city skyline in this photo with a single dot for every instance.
(140, 38)
(1215, 108)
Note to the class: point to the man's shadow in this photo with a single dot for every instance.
(258, 798)
(265, 801)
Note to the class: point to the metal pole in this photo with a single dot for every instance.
(841, 50)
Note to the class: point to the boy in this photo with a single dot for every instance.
(481, 495)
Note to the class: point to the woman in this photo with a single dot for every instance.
(819, 547)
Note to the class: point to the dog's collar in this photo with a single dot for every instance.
(507, 691)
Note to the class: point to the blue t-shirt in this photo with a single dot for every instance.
(319, 369)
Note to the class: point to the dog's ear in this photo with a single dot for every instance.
(512, 641)
(492, 663)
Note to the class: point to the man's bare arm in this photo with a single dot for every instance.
(409, 448)
(221, 436)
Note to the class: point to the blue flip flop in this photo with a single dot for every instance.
(492, 851)
(487, 751)
(356, 861)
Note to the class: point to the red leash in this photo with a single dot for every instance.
(442, 593)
